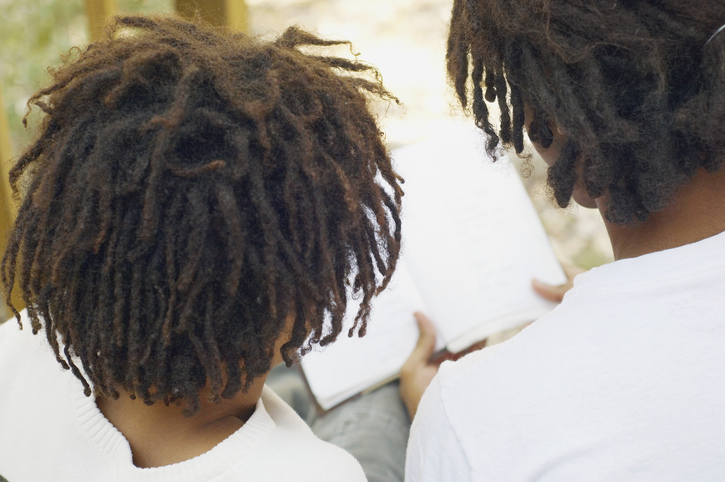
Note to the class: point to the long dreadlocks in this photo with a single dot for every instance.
(190, 192)
(634, 84)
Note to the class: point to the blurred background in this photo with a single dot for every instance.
(405, 39)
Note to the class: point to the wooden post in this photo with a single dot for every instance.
(98, 13)
(6, 204)
(8, 210)
(229, 13)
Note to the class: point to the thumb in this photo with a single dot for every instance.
(426, 340)
(549, 292)
(556, 293)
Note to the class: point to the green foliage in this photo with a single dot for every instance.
(33, 36)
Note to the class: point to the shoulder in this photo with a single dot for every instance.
(35, 412)
(18, 337)
(300, 455)
(25, 356)
(465, 417)
(9, 334)
(23, 353)
(434, 450)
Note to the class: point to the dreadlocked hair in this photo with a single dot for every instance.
(191, 194)
(635, 85)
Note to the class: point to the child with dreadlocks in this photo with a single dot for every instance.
(197, 206)
(625, 101)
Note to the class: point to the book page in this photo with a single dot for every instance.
(473, 239)
(472, 242)
(350, 365)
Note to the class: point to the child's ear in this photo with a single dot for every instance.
(285, 335)
(540, 133)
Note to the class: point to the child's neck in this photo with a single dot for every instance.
(696, 212)
(161, 435)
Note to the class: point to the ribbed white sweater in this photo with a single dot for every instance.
(49, 431)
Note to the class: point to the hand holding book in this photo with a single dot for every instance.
(419, 369)
(417, 372)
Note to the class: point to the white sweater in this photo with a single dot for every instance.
(624, 381)
(50, 431)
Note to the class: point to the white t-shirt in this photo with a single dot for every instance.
(50, 431)
(624, 381)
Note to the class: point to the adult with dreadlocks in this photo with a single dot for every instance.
(198, 206)
(625, 101)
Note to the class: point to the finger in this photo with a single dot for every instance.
(553, 293)
(426, 340)
(556, 293)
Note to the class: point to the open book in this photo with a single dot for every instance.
(472, 242)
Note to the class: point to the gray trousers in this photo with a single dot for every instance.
(374, 427)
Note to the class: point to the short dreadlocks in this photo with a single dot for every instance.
(193, 190)
(635, 84)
